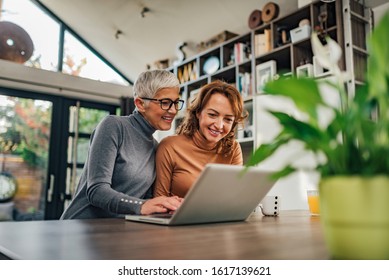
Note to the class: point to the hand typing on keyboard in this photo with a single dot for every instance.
(161, 204)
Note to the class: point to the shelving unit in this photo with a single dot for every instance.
(237, 59)
(358, 23)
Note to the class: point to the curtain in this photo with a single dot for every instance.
(127, 105)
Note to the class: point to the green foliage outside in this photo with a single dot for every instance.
(25, 128)
(89, 118)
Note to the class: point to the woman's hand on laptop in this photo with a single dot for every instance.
(161, 204)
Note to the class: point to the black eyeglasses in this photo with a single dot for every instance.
(166, 103)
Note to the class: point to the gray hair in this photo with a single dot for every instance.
(150, 82)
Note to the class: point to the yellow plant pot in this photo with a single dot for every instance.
(355, 216)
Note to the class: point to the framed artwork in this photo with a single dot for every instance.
(305, 70)
(264, 73)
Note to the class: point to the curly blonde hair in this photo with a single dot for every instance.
(190, 124)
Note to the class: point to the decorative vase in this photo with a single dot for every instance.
(355, 216)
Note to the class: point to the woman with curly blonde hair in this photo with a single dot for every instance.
(206, 135)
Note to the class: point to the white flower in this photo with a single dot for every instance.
(327, 55)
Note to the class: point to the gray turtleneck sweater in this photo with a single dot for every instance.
(119, 171)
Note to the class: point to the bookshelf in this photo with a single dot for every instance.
(250, 59)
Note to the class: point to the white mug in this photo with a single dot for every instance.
(270, 205)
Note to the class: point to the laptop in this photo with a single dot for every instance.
(221, 193)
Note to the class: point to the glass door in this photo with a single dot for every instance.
(25, 134)
(83, 117)
(44, 142)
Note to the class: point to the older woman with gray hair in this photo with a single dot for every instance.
(120, 168)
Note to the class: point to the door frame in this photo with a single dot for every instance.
(55, 208)
(55, 191)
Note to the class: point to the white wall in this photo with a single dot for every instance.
(379, 12)
(292, 189)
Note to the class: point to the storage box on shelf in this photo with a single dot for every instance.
(262, 40)
(215, 40)
(300, 33)
(282, 26)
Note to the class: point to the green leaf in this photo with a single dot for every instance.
(283, 173)
(304, 92)
(378, 66)
(266, 150)
(298, 130)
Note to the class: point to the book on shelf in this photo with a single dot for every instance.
(244, 84)
(262, 42)
(240, 52)
(187, 72)
(179, 75)
(193, 73)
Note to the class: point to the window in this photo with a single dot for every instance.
(25, 125)
(33, 20)
(78, 60)
(45, 33)
(44, 141)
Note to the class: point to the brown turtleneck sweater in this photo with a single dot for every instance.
(180, 160)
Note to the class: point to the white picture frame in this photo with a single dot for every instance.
(305, 70)
(264, 73)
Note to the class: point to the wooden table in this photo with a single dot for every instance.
(291, 235)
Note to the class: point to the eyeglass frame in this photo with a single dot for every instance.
(176, 103)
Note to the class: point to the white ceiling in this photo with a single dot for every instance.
(157, 35)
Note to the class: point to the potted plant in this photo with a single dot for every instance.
(351, 150)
